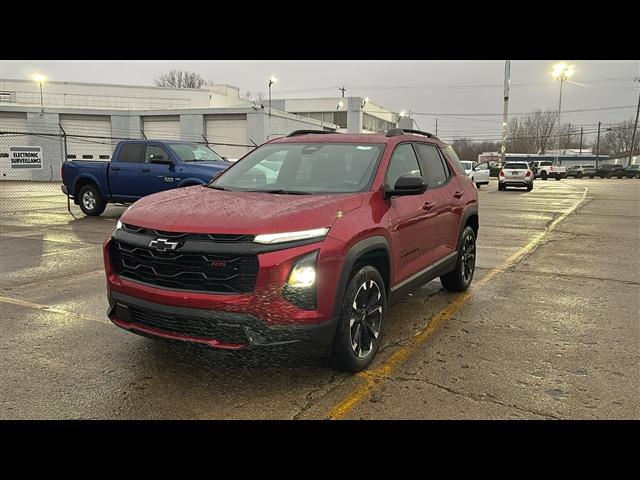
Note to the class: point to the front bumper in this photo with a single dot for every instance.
(64, 189)
(218, 329)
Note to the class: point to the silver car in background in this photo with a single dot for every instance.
(515, 174)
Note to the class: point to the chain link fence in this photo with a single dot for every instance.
(31, 161)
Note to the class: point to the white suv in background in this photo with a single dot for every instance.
(478, 173)
(515, 174)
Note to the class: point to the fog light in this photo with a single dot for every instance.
(300, 288)
(302, 276)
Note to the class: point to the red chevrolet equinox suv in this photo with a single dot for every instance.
(308, 238)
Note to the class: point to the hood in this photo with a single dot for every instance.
(201, 209)
(211, 165)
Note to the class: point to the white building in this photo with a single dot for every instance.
(87, 120)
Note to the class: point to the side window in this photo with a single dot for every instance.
(403, 162)
(436, 173)
(154, 151)
(483, 166)
(132, 153)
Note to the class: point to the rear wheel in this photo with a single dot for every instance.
(459, 279)
(579, 175)
(557, 177)
(359, 330)
(90, 201)
(501, 186)
(530, 187)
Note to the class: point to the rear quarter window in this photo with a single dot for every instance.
(453, 159)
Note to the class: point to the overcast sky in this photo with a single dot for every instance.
(443, 87)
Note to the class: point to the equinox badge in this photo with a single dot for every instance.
(163, 245)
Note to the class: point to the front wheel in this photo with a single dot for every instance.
(91, 202)
(543, 175)
(359, 330)
(459, 279)
(579, 175)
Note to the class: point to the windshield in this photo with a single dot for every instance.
(193, 152)
(304, 168)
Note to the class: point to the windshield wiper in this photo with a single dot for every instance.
(218, 188)
(286, 192)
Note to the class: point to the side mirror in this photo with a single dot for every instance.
(408, 185)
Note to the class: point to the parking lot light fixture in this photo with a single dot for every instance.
(272, 80)
(340, 105)
(562, 72)
(40, 79)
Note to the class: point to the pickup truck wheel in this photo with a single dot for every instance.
(359, 330)
(90, 201)
(543, 175)
(459, 279)
(579, 175)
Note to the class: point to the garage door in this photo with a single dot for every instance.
(13, 122)
(88, 136)
(162, 128)
(230, 129)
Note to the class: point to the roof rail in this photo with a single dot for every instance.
(295, 133)
(394, 132)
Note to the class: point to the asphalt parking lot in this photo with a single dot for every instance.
(549, 330)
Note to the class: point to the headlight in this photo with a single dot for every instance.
(291, 236)
(119, 225)
(300, 288)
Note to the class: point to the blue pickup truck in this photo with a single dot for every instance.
(138, 168)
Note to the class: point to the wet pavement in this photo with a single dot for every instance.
(554, 333)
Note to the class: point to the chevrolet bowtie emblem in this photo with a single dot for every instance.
(163, 245)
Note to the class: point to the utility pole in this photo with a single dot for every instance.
(598, 146)
(581, 131)
(436, 126)
(635, 126)
(505, 113)
(343, 89)
(569, 136)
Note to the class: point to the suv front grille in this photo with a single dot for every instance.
(216, 237)
(207, 272)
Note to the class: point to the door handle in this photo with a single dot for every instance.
(115, 169)
(458, 194)
(146, 169)
(429, 205)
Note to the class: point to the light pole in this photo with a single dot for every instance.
(562, 72)
(272, 80)
(635, 126)
(40, 79)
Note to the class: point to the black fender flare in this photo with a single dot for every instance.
(468, 212)
(358, 250)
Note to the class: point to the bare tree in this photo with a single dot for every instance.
(532, 133)
(181, 79)
(617, 138)
(468, 149)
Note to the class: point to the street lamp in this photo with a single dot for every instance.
(364, 102)
(340, 105)
(272, 80)
(562, 72)
(40, 79)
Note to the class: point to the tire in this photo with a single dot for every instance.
(590, 176)
(456, 280)
(530, 187)
(543, 175)
(579, 175)
(90, 201)
(478, 185)
(557, 177)
(501, 187)
(346, 353)
(637, 175)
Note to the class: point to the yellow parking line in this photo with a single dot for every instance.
(372, 378)
(48, 308)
